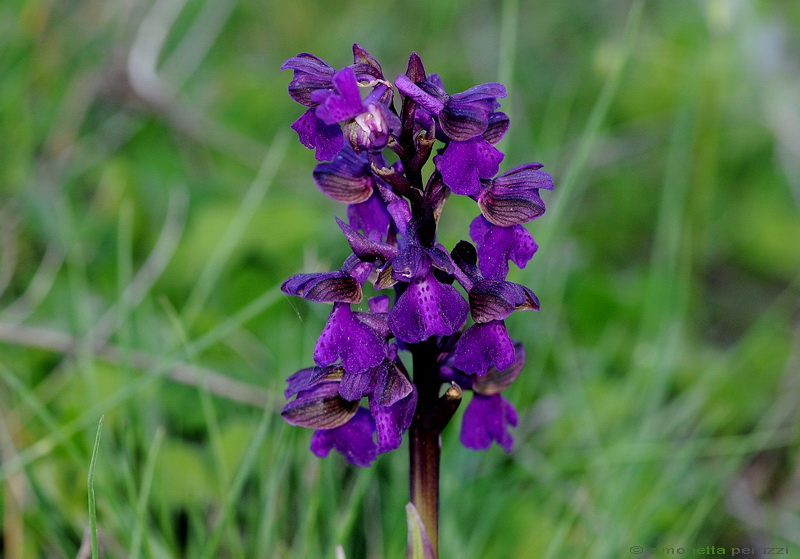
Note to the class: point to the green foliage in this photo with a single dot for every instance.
(145, 229)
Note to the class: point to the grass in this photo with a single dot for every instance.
(152, 199)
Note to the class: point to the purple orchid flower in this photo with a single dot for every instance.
(360, 399)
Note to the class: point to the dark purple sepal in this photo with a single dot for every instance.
(513, 197)
(310, 74)
(394, 420)
(497, 245)
(329, 287)
(497, 127)
(379, 304)
(434, 104)
(496, 299)
(464, 163)
(496, 380)
(355, 440)
(371, 217)
(486, 420)
(437, 194)
(365, 66)
(482, 346)
(326, 139)
(319, 407)
(427, 308)
(461, 121)
(345, 337)
(411, 263)
(364, 248)
(415, 71)
(342, 103)
(306, 378)
(347, 178)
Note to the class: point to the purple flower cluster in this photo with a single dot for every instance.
(371, 157)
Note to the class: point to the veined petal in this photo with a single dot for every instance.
(319, 407)
(497, 127)
(364, 65)
(513, 197)
(329, 287)
(310, 74)
(496, 299)
(462, 120)
(347, 178)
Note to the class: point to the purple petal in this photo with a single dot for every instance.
(487, 419)
(497, 128)
(482, 346)
(496, 299)
(354, 440)
(365, 248)
(464, 163)
(497, 245)
(513, 197)
(481, 92)
(329, 287)
(412, 90)
(310, 74)
(427, 308)
(319, 407)
(364, 65)
(358, 345)
(344, 103)
(308, 377)
(379, 304)
(371, 217)
(392, 421)
(496, 380)
(347, 178)
(315, 134)
(462, 121)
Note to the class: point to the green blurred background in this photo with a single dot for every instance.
(152, 199)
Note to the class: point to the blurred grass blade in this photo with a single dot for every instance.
(92, 508)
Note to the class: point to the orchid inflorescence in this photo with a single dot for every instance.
(372, 157)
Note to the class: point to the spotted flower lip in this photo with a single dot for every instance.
(497, 245)
(486, 420)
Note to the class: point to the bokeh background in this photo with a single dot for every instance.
(153, 198)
